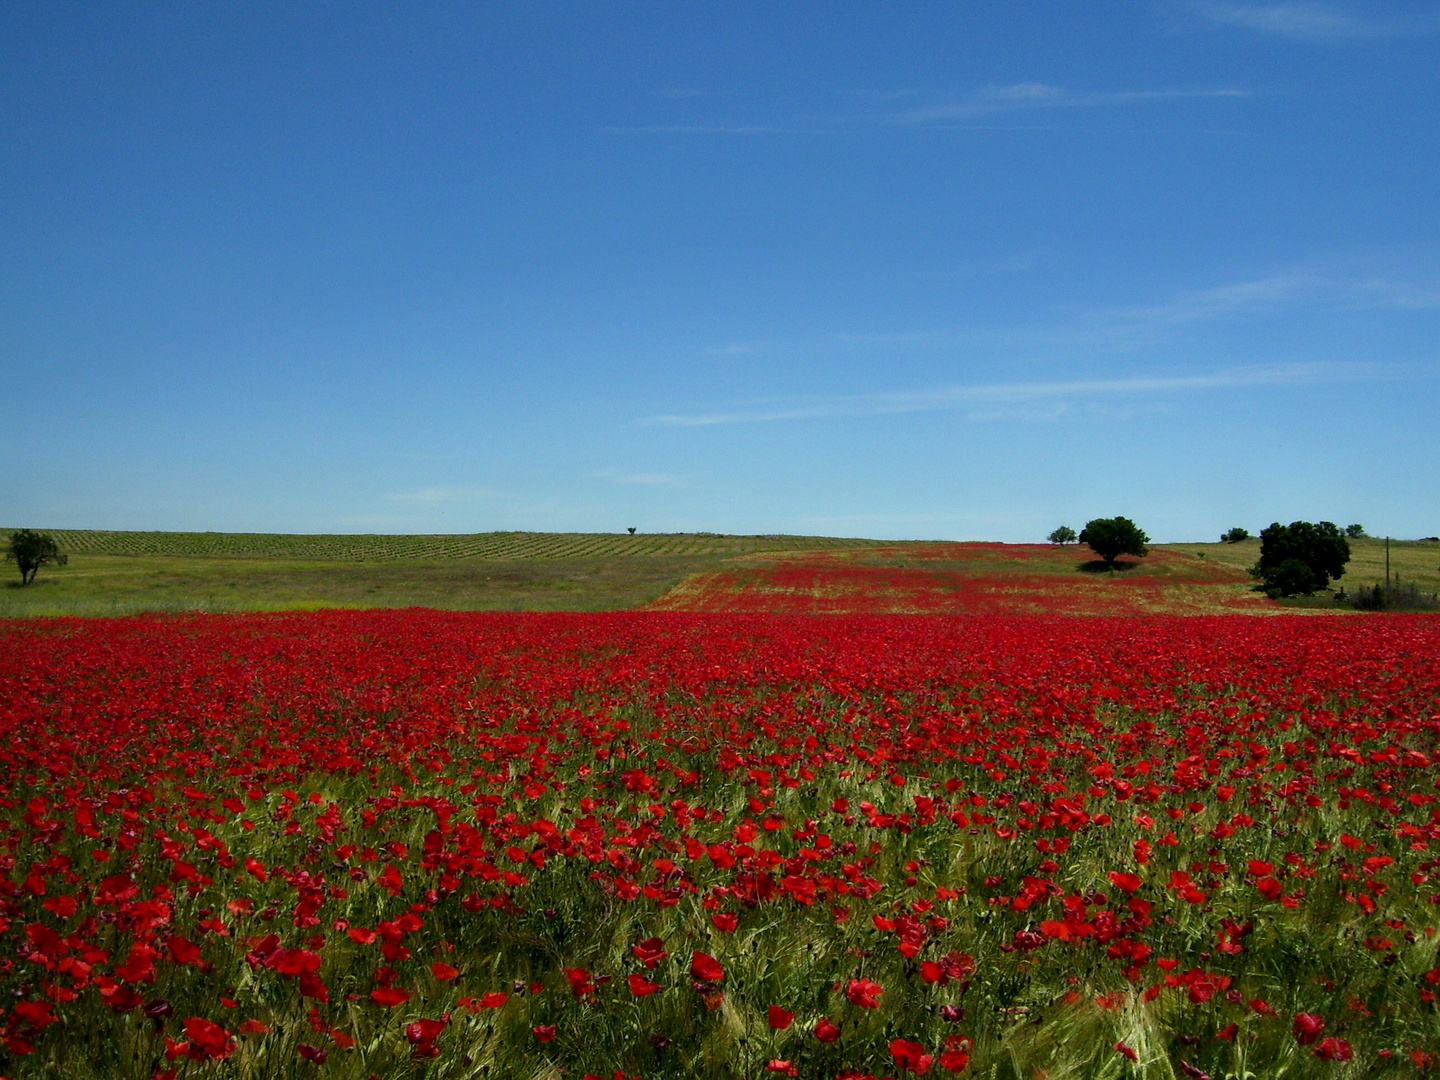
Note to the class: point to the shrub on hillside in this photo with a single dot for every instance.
(1396, 597)
(1300, 558)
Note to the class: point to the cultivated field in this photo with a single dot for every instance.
(959, 578)
(663, 844)
(502, 546)
(115, 573)
(123, 584)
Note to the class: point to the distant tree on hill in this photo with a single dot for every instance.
(1112, 537)
(30, 550)
(1300, 558)
(1234, 536)
(1355, 532)
(1062, 536)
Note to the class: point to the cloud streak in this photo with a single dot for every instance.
(645, 479)
(434, 495)
(1033, 95)
(1301, 20)
(986, 102)
(1001, 398)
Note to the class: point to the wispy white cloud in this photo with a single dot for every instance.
(1321, 287)
(994, 398)
(433, 495)
(1317, 287)
(651, 479)
(986, 102)
(1128, 326)
(655, 479)
(1411, 296)
(1222, 301)
(1034, 95)
(683, 92)
(739, 348)
(1310, 20)
(726, 129)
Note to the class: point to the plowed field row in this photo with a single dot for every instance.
(365, 547)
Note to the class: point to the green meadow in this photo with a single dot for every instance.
(118, 573)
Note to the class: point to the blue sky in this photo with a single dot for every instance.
(965, 271)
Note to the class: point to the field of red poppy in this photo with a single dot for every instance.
(971, 578)
(669, 844)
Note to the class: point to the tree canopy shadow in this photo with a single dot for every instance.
(1100, 566)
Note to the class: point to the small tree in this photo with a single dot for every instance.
(1112, 537)
(1234, 536)
(1355, 532)
(31, 550)
(1062, 536)
(1301, 557)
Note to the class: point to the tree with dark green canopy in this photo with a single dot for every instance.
(1112, 537)
(1300, 558)
(30, 550)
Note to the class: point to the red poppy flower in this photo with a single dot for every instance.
(910, 1056)
(778, 1018)
(649, 951)
(641, 986)
(208, 1038)
(705, 968)
(956, 1054)
(1307, 1027)
(425, 1030)
(864, 993)
(38, 1013)
(1124, 881)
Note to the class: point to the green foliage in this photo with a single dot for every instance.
(1293, 577)
(30, 550)
(1355, 532)
(1396, 597)
(1300, 558)
(1062, 536)
(1112, 537)
(1234, 536)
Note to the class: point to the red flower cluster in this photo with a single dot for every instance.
(603, 843)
